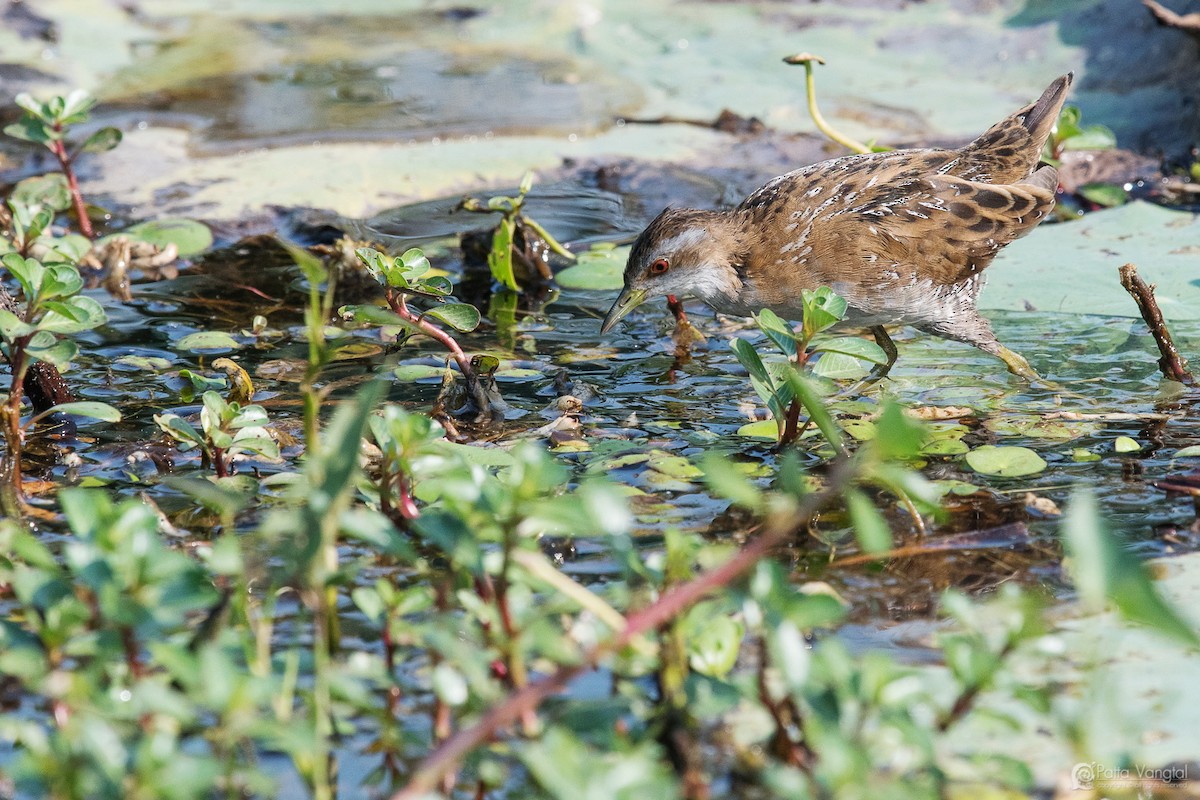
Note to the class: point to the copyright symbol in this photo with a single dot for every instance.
(1083, 776)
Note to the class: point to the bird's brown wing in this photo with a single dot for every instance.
(950, 228)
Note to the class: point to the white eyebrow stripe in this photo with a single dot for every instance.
(688, 238)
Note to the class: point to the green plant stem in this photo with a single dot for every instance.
(322, 699)
(59, 148)
(445, 758)
(810, 91)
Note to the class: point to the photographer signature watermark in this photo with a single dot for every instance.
(1093, 775)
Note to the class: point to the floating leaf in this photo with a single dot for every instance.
(1004, 461)
(765, 429)
(596, 270)
(1126, 444)
(1187, 452)
(208, 340)
(189, 236)
(147, 363)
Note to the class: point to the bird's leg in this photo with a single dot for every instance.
(685, 334)
(879, 371)
(1017, 364)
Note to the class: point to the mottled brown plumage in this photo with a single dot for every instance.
(903, 236)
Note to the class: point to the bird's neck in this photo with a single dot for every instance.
(721, 280)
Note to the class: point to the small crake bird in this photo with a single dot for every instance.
(904, 236)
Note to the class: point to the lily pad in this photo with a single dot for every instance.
(208, 340)
(764, 429)
(1126, 444)
(1074, 265)
(188, 235)
(597, 270)
(1005, 462)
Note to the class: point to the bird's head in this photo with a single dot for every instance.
(683, 252)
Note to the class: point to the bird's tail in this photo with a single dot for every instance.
(1009, 151)
(1040, 117)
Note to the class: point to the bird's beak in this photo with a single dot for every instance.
(627, 301)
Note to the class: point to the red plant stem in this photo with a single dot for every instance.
(398, 303)
(446, 757)
(13, 435)
(219, 463)
(64, 162)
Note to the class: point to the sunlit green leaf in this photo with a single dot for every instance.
(93, 410)
(778, 331)
(462, 317)
(863, 349)
(500, 256)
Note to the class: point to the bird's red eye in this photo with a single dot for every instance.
(659, 266)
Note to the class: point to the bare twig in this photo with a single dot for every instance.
(443, 760)
(1172, 365)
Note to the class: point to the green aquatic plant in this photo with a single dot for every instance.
(228, 430)
(49, 123)
(782, 385)
(39, 332)
(517, 237)
(408, 278)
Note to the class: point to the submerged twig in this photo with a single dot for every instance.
(1172, 365)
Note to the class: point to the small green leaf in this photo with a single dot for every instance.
(1104, 194)
(102, 140)
(1125, 444)
(58, 353)
(778, 331)
(822, 309)
(415, 263)
(597, 269)
(870, 528)
(863, 349)
(179, 429)
(1188, 452)
(1005, 461)
(462, 317)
